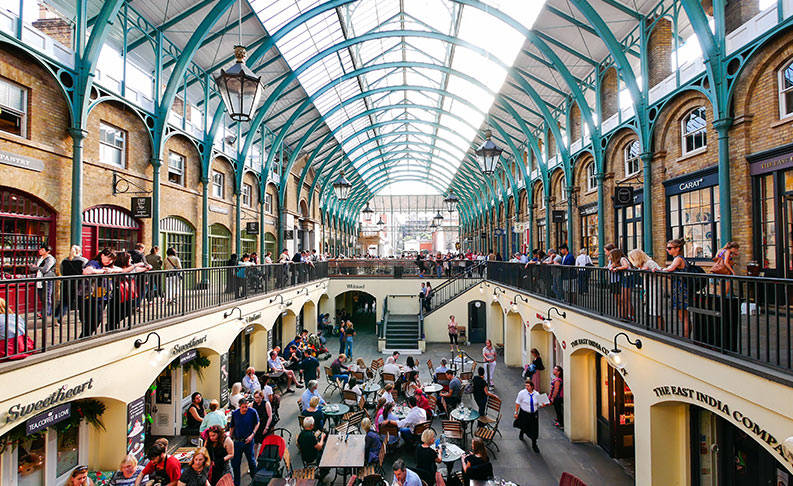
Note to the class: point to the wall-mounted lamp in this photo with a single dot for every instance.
(547, 322)
(482, 287)
(787, 447)
(495, 292)
(615, 355)
(226, 315)
(515, 302)
(140, 342)
(301, 290)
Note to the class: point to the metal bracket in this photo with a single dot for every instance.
(121, 186)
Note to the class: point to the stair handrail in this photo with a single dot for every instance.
(384, 324)
(470, 273)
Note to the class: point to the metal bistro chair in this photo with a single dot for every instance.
(376, 468)
(568, 479)
(487, 435)
(421, 427)
(430, 368)
(389, 378)
(492, 415)
(352, 423)
(350, 398)
(307, 473)
(359, 376)
(300, 405)
(390, 430)
(453, 430)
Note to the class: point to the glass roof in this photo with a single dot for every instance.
(414, 127)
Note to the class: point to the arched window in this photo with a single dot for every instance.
(630, 155)
(178, 234)
(694, 130)
(786, 91)
(219, 245)
(591, 178)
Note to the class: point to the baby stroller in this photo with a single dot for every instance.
(269, 463)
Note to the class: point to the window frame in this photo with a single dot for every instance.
(591, 177)
(781, 91)
(221, 186)
(247, 195)
(181, 174)
(685, 134)
(268, 203)
(675, 229)
(628, 159)
(23, 115)
(122, 150)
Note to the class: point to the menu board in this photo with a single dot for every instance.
(164, 387)
(136, 416)
(224, 379)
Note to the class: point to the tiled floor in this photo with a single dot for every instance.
(516, 461)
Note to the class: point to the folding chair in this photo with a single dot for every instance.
(307, 473)
(359, 376)
(453, 430)
(300, 405)
(351, 424)
(389, 378)
(492, 414)
(374, 469)
(332, 383)
(350, 398)
(430, 368)
(421, 427)
(487, 434)
(390, 430)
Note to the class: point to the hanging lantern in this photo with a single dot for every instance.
(367, 213)
(240, 88)
(380, 223)
(451, 201)
(438, 219)
(433, 225)
(487, 155)
(342, 187)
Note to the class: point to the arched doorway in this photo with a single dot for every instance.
(219, 245)
(109, 227)
(358, 307)
(178, 234)
(269, 244)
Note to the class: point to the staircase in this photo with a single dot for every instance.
(454, 287)
(402, 332)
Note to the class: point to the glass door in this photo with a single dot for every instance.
(707, 448)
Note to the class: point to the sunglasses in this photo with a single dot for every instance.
(672, 247)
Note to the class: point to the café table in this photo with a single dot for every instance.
(430, 388)
(467, 416)
(292, 482)
(400, 411)
(335, 411)
(491, 482)
(368, 389)
(345, 452)
(453, 454)
(184, 454)
(462, 364)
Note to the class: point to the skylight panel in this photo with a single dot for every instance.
(435, 13)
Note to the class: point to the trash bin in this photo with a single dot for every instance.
(398, 271)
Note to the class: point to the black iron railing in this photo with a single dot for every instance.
(46, 313)
(746, 317)
(395, 268)
(453, 287)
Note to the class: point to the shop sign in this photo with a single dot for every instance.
(218, 209)
(289, 234)
(192, 343)
(224, 379)
(588, 210)
(253, 317)
(48, 418)
(356, 286)
(772, 164)
(559, 216)
(252, 228)
(752, 427)
(62, 394)
(21, 161)
(188, 356)
(592, 344)
(136, 417)
(692, 182)
(141, 207)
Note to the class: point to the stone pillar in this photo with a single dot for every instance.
(609, 93)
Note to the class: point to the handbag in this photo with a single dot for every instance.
(719, 267)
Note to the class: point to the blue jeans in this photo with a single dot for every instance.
(240, 448)
(439, 269)
(407, 435)
(348, 349)
(343, 378)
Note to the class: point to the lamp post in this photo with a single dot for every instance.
(487, 155)
(342, 187)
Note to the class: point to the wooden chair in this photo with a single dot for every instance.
(359, 376)
(370, 373)
(300, 419)
(453, 430)
(331, 383)
(390, 430)
(421, 427)
(433, 401)
(465, 378)
(374, 469)
(492, 414)
(307, 473)
(300, 405)
(389, 378)
(430, 368)
(351, 424)
(395, 394)
(461, 334)
(350, 398)
(373, 479)
(568, 479)
(487, 434)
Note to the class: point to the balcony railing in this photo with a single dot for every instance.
(83, 307)
(392, 267)
(744, 317)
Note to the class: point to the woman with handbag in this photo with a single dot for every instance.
(96, 291)
(125, 292)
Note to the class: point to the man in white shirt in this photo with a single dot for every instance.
(442, 368)
(527, 405)
(391, 367)
(415, 416)
(489, 353)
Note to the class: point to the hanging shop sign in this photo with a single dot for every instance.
(289, 234)
(692, 182)
(192, 343)
(48, 418)
(21, 161)
(62, 394)
(224, 379)
(623, 195)
(559, 216)
(136, 435)
(752, 427)
(252, 228)
(188, 356)
(141, 207)
(589, 209)
(218, 209)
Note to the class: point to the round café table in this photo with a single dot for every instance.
(368, 389)
(453, 454)
(430, 388)
(335, 411)
(467, 416)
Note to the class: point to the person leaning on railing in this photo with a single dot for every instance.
(650, 285)
(679, 285)
(14, 340)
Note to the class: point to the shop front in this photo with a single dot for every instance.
(722, 454)
(692, 213)
(772, 213)
(219, 245)
(178, 234)
(628, 223)
(559, 217)
(541, 234)
(109, 227)
(588, 214)
(239, 355)
(615, 411)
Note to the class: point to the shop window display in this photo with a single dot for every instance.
(694, 217)
(68, 450)
(31, 461)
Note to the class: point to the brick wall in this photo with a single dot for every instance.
(660, 44)
(575, 122)
(738, 12)
(609, 93)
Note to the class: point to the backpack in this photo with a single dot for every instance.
(695, 284)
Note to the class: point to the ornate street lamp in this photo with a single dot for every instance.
(239, 87)
(367, 213)
(380, 222)
(433, 225)
(438, 219)
(451, 201)
(487, 155)
(342, 187)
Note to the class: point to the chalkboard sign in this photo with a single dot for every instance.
(164, 388)
(252, 228)
(136, 427)
(141, 207)
(224, 379)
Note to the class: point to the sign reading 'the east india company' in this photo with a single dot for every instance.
(21, 161)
